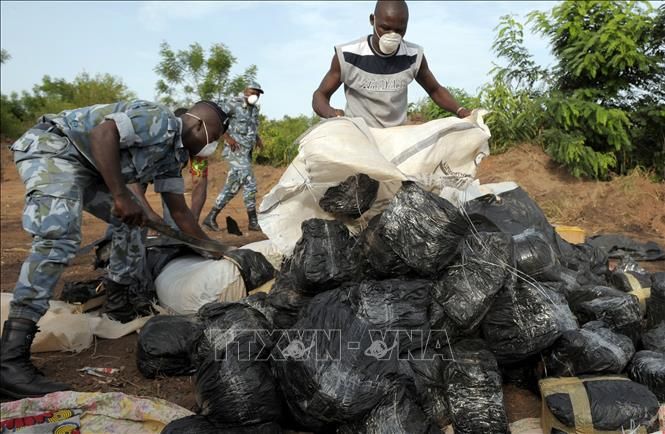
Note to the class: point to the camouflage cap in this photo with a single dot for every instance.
(255, 85)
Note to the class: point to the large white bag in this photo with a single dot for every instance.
(187, 283)
(435, 154)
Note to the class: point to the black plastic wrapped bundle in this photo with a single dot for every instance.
(535, 257)
(202, 425)
(654, 339)
(166, 344)
(234, 385)
(342, 360)
(259, 301)
(380, 258)
(323, 257)
(614, 402)
(423, 229)
(473, 386)
(426, 370)
(648, 368)
(398, 413)
(620, 313)
(524, 320)
(350, 198)
(656, 303)
(286, 301)
(254, 267)
(593, 349)
(466, 290)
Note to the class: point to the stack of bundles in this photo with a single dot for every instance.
(407, 326)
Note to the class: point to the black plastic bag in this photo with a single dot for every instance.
(620, 313)
(593, 349)
(511, 212)
(620, 246)
(259, 301)
(473, 386)
(656, 303)
(524, 320)
(166, 345)
(80, 292)
(254, 267)
(523, 375)
(335, 366)
(468, 286)
(423, 229)
(379, 258)
(628, 276)
(234, 385)
(648, 368)
(398, 413)
(323, 257)
(615, 403)
(352, 197)
(286, 302)
(202, 425)
(426, 370)
(654, 339)
(590, 292)
(535, 257)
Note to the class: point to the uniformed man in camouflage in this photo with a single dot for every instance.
(240, 140)
(82, 160)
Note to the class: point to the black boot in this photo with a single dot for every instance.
(253, 221)
(211, 220)
(19, 378)
(118, 306)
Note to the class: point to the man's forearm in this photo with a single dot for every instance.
(321, 105)
(444, 99)
(186, 222)
(199, 193)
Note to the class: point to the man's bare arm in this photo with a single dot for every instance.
(183, 216)
(439, 94)
(105, 148)
(330, 83)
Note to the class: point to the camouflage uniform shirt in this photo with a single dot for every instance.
(243, 128)
(148, 132)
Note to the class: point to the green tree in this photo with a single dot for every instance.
(607, 80)
(279, 138)
(53, 95)
(189, 75)
(4, 56)
(426, 109)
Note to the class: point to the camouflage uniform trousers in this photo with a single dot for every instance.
(59, 185)
(240, 175)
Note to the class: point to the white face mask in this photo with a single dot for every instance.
(252, 99)
(388, 42)
(208, 150)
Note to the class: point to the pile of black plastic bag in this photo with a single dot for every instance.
(416, 322)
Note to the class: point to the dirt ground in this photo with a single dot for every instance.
(630, 205)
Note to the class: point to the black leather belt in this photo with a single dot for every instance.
(49, 127)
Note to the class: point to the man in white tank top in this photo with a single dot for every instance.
(376, 71)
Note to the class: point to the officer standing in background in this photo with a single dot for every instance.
(240, 139)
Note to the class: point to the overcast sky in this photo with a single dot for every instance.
(290, 42)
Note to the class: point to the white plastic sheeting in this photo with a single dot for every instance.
(439, 153)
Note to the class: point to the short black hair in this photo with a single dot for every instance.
(221, 113)
(180, 111)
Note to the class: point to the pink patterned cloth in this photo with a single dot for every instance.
(103, 413)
